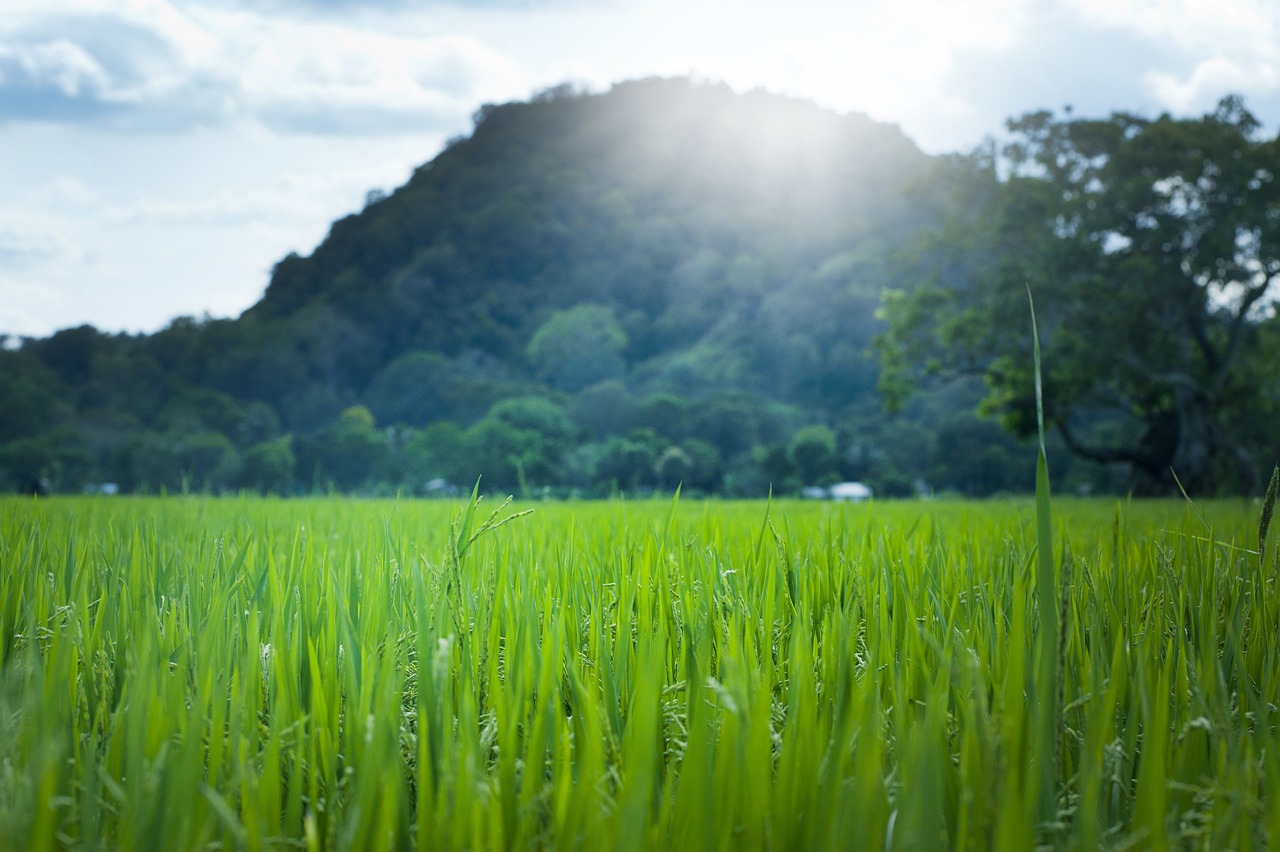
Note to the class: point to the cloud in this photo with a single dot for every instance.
(1104, 57)
(344, 6)
(60, 65)
(23, 246)
(23, 304)
(1209, 80)
(65, 192)
(352, 81)
(155, 65)
(1225, 46)
(1202, 25)
(123, 68)
(51, 81)
(289, 199)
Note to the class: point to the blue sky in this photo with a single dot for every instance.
(160, 155)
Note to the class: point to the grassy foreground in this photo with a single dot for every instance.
(243, 673)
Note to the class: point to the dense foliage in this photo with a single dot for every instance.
(670, 283)
(665, 283)
(1153, 250)
(261, 674)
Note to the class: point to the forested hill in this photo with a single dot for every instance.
(665, 283)
(682, 218)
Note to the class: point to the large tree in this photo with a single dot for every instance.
(1152, 248)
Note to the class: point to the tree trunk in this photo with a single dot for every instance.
(1197, 440)
(1201, 456)
(1184, 447)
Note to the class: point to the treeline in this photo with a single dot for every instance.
(89, 409)
(668, 283)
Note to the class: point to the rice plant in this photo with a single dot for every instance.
(197, 673)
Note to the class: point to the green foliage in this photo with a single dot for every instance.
(410, 389)
(57, 460)
(1047, 697)
(245, 673)
(665, 414)
(29, 393)
(70, 353)
(672, 467)
(705, 466)
(179, 462)
(348, 454)
(356, 417)
(1149, 244)
(578, 347)
(812, 453)
(519, 443)
(627, 256)
(629, 462)
(436, 452)
(268, 467)
(604, 409)
(536, 414)
(691, 275)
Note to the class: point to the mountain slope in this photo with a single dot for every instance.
(679, 206)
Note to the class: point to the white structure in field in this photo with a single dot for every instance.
(854, 492)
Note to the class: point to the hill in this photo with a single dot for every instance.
(664, 283)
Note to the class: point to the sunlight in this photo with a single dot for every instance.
(885, 60)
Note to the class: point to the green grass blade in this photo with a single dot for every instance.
(1047, 600)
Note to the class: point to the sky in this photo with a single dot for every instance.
(158, 157)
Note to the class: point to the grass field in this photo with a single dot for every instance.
(192, 673)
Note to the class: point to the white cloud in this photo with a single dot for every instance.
(24, 305)
(1225, 45)
(1209, 81)
(153, 64)
(1202, 24)
(66, 192)
(61, 64)
(23, 245)
(291, 198)
(320, 75)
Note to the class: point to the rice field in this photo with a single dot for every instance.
(243, 673)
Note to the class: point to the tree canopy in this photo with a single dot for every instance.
(1152, 248)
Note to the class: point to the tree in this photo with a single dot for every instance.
(518, 444)
(268, 467)
(579, 347)
(56, 460)
(347, 454)
(408, 389)
(672, 467)
(28, 396)
(1152, 248)
(706, 465)
(434, 452)
(628, 462)
(603, 409)
(192, 409)
(812, 452)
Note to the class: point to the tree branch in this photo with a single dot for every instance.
(1196, 317)
(1174, 379)
(1236, 332)
(1128, 455)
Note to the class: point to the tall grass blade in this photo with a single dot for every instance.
(1047, 603)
